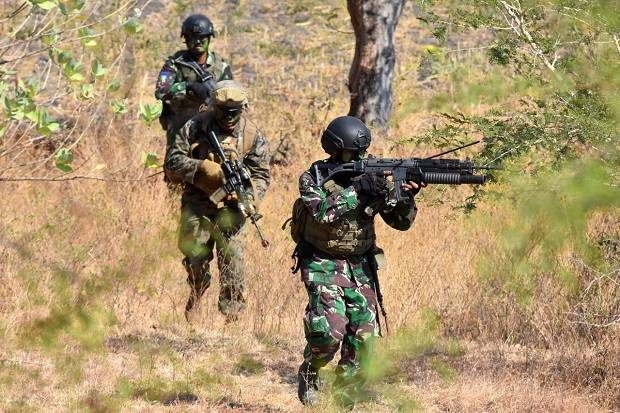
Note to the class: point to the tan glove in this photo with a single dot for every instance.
(232, 197)
(209, 176)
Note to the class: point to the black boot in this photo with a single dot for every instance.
(308, 384)
(198, 280)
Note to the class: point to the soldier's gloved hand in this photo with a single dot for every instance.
(412, 188)
(247, 206)
(374, 185)
(199, 90)
(209, 176)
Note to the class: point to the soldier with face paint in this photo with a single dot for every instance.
(336, 257)
(207, 225)
(189, 76)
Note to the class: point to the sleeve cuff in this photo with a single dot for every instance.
(190, 175)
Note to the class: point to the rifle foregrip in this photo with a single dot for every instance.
(452, 178)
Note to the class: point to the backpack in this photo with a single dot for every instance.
(297, 220)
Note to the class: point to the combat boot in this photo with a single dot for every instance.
(192, 303)
(308, 384)
(199, 280)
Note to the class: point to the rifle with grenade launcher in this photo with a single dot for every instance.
(429, 170)
(236, 181)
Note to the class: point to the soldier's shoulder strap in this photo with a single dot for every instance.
(177, 56)
(219, 66)
(316, 172)
(183, 58)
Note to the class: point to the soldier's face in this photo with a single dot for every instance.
(228, 118)
(348, 156)
(197, 45)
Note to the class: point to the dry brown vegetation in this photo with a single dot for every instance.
(92, 287)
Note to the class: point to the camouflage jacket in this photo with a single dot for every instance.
(190, 146)
(349, 270)
(178, 70)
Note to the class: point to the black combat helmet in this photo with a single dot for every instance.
(345, 132)
(197, 25)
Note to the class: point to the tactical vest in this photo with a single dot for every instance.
(180, 110)
(352, 234)
(235, 145)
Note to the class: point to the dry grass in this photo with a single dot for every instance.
(110, 248)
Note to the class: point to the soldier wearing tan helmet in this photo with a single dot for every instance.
(206, 226)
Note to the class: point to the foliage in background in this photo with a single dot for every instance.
(60, 64)
(554, 129)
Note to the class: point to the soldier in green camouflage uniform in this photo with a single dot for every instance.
(206, 225)
(187, 77)
(335, 253)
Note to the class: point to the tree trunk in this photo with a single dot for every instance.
(370, 77)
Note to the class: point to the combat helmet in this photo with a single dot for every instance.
(230, 94)
(345, 133)
(197, 25)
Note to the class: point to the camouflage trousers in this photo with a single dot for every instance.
(341, 317)
(201, 232)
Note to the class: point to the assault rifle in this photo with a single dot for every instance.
(236, 181)
(428, 170)
(205, 76)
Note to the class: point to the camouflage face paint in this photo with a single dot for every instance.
(348, 156)
(198, 45)
(228, 117)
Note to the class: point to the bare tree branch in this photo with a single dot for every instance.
(519, 26)
(75, 178)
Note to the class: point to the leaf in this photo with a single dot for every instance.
(71, 6)
(87, 37)
(97, 69)
(87, 91)
(31, 88)
(50, 38)
(16, 114)
(64, 56)
(119, 106)
(64, 167)
(63, 159)
(114, 85)
(48, 129)
(150, 112)
(150, 160)
(64, 155)
(46, 125)
(45, 4)
(99, 167)
(133, 26)
(33, 115)
(430, 49)
(72, 70)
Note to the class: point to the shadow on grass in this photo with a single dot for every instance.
(157, 389)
